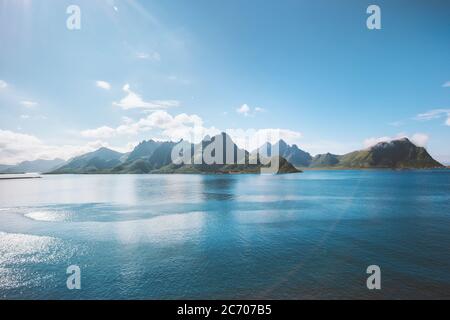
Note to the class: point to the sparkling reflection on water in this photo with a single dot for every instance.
(308, 235)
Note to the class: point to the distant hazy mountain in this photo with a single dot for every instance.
(38, 165)
(395, 154)
(4, 167)
(293, 154)
(98, 161)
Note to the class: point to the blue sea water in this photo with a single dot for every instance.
(309, 235)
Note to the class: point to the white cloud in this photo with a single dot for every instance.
(174, 128)
(24, 116)
(153, 55)
(3, 84)
(370, 142)
(419, 139)
(16, 147)
(247, 111)
(132, 100)
(244, 109)
(435, 114)
(165, 126)
(28, 103)
(99, 133)
(446, 84)
(103, 84)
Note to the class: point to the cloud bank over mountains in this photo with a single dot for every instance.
(153, 121)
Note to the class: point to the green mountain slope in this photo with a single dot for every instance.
(324, 160)
(395, 154)
(154, 159)
(99, 161)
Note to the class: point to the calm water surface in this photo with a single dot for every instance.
(300, 236)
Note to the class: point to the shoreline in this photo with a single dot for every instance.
(17, 178)
(374, 168)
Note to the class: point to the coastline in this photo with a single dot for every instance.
(18, 178)
(370, 169)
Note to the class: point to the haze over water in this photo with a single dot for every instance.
(296, 236)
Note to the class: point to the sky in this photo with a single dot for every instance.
(136, 70)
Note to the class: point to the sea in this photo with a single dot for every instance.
(309, 235)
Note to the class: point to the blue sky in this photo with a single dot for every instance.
(164, 69)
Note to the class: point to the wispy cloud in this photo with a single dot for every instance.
(178, 79)
(435, 114)
(3, 84)
(29, 103)
(247, 111)
(103, 84)
(133, 100)
(446, 84)
(99, 133)
(152, 55)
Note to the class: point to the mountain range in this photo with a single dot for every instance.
(155, 157)
(396, 154)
